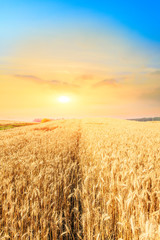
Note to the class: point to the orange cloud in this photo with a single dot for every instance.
(86, 77)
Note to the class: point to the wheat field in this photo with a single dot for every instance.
(91, 179)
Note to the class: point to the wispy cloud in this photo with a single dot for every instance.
(62, 83)
(157, 72)
(56, 82)
(152, 95)
(106, 82)
(51, 83)
(30, 77)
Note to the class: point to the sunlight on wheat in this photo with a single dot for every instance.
(81, 179)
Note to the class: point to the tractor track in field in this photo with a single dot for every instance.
(75, 202)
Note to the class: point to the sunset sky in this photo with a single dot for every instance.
(103, 55)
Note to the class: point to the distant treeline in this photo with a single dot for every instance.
(146, 119)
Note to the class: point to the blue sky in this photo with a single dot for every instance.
(142, 17)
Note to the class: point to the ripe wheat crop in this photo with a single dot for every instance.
(80, 179)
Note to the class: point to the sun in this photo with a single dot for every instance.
(64, 99)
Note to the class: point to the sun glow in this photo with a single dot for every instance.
(64, 99)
